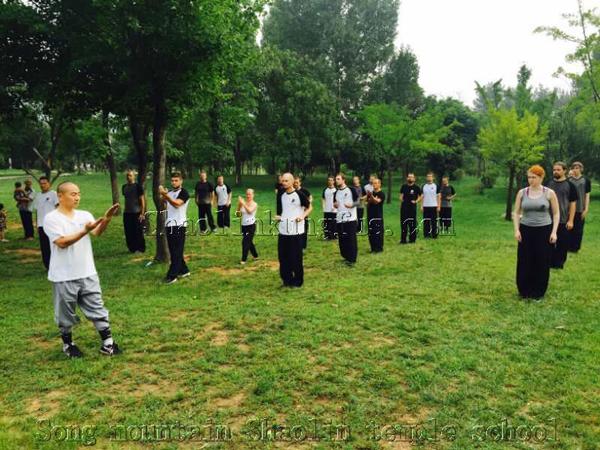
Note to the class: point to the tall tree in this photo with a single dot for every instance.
(351, 39)
(512, 143)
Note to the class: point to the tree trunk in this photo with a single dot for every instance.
(110, 159)
(160, 160)
(140, 131)
(337, 165)
(238, 161)
(509, 196)
(390, 176)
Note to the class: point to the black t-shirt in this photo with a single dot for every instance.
(305, 191)
(203, 191)
(375, 210)
(132, 194)
(410, 193)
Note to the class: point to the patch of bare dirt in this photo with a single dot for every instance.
(45, 406)
(231, 402)
(243, 347)
(25, 252)
(40, 343)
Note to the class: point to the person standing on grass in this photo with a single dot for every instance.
(72, 270)
(375, 217)
(247, 210)
(23, 201)
(278, 185)
(177, 200)
(292, 209)
(3, 215)
(223, 196)
(584, 188)
(447, 194)
(134, 214)
(536, 233)
(346, 201)
(369, 187)
(410, 195)
(360, 210)
(308, 195)
(430, 207)
(566, 193)
(45, 202)
(204, 199)
(329, 211)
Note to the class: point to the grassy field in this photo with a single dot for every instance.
(430, 339)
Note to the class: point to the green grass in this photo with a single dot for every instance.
(434, 331)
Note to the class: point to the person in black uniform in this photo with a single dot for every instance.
(410, 195)
(375, 202)
(204, 199)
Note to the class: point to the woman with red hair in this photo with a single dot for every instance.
(536, 234)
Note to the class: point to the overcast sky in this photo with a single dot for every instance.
(460, 41)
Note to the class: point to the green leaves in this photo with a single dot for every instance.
(513, 142)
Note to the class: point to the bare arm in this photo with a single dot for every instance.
(143, 205)
(572, 209)
(67, 241)
(110, 213)
(555, 215)
(517, 215)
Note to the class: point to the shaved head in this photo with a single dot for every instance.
(66, 187)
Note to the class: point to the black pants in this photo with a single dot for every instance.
(559, 251)
(44, 247)
(204, 214)
(176, 241)
(329, 225)
(347, 240)
(134, 232)
(376, 233)
(291, 267)
(305, 235)
(360, 213)
(248, 232)
(576, 234)
(223, 216)
(533, 261)
(430, 222)
(408, 219)
(446, 219)
(27, 221)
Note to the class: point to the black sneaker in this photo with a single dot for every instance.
(170, 280)
(110, 350)
(72, 351)
(184, 275)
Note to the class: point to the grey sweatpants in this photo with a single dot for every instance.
(84, 292)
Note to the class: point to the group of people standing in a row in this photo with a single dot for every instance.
(549, 222)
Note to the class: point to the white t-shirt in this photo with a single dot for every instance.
(222, 194)
(345, 196)
(328, 194)
(31, 194)
(77, 260)
(248, 219)
(177, 217)
(290, 206)
(430, 192)
(45, 203)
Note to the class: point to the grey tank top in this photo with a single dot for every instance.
(536, 211)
